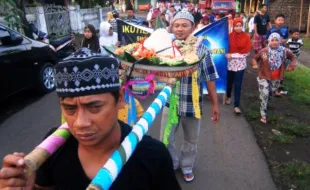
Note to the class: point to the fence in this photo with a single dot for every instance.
(62, 20)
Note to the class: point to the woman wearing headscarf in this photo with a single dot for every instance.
(239, 48)
(107, 36)
(271, 71)
(90, 40)
(204, 22)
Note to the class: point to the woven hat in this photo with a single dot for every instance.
(86, 73)
(184, 15)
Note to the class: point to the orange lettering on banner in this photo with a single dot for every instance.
(139, 38)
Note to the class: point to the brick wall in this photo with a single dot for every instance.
(291, 10)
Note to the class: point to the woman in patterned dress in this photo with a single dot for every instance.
(239, 48)
(271, 71)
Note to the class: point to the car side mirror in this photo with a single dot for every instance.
(16, 39)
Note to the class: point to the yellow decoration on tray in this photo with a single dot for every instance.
(195, 95)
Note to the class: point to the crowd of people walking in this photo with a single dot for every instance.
(275, 52)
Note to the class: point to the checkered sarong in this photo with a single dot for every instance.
(258, 42)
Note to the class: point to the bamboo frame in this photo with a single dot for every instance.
(301, 11)
(250, 8)
(308, 23)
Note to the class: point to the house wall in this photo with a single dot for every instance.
(291, 9)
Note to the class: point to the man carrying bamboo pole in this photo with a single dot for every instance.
(89, 92)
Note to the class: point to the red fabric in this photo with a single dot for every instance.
(239, 42)
(236, 20)
(206, 18)
(275, 74)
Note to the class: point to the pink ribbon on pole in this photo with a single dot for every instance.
(149, 78)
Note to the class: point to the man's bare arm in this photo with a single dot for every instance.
(212, 92)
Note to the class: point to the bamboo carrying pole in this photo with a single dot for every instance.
(301, 11)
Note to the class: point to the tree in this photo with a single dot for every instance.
(14, 15)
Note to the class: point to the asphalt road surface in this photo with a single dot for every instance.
(228, 156)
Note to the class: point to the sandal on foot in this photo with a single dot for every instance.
(277, 94)
(228, 101)
(263, 120)
(188, 177)
(237, 111)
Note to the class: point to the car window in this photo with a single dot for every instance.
(26, 41)
(6, 34)
(3, 34)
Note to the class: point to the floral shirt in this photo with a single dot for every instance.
(237, 62)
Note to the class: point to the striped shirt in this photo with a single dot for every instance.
(206, 72)
(295, 45)
(133, 20)
(113, 25)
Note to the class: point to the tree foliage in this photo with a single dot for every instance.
(14, 15)
(11, 14)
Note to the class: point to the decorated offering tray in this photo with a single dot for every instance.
(163, 71)
(159, 55)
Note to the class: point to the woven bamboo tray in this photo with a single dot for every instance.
(163, 71)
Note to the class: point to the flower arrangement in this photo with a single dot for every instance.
(160, 49)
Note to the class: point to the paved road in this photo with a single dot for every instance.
(228, 156)
(304, 58)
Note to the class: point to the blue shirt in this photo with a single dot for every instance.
(283, 31)
(211, 17)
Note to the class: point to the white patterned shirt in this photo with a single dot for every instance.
(238, 62)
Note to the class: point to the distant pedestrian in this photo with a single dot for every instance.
(283, 31)
(112, 21)
(108, 37)
(271, 71)
(230, 23)
(172, 12)
(210, 14)
(295, 42)
(217, 17)
(261, 24)
(237, 15)
(131, 18)
(279, 28)
(251, 24)
(239, 48)
(204, 22)
(90, 40)
(244, 19)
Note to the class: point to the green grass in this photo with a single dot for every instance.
(306, 42)
(294, 128)
(252, 114)
(272, 118)
(298, 85)
(295, 173)
(283, 139)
